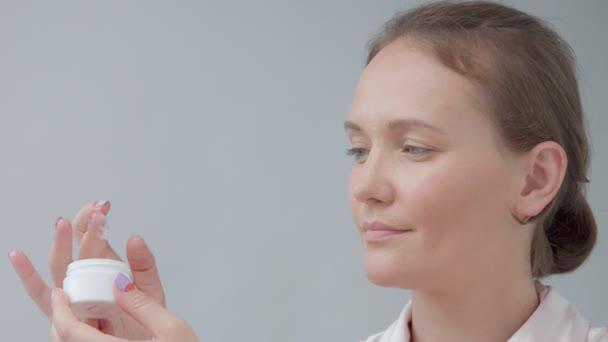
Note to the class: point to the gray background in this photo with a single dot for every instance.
(215, 128)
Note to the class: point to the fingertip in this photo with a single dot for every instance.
(62, 226)
(98, 206)
(137, 237)
(136, 241)
(21, 263)
(19, 260)
(139, 255)
(99, 203)
(123, 290)
(137, 246)
(123, 283)
(102, 205)
(12, 254)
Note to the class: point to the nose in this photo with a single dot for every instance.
(370, 182)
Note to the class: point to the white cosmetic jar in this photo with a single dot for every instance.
(89, 284)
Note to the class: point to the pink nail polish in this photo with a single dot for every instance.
(101, 203)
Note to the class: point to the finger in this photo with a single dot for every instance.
(67, 326)
(54, 335)
(61, 251)
(80, 222)
(143, 267)
(145, 310)
(35, 287)
(94, 243)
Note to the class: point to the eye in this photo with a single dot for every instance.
(357, 152)
(416, 151)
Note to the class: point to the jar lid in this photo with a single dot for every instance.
(99, 265)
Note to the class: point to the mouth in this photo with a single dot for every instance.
(377, 231)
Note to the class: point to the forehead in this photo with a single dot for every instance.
(405, 80)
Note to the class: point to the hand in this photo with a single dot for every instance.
(165, 326)
(88, 230)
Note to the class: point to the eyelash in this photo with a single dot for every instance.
(354, 152)
(357, 151)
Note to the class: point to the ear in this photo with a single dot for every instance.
(545, 172)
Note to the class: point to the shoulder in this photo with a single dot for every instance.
(598, 335)
(556, 319)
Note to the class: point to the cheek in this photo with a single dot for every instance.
(438, 193)
(455, 204)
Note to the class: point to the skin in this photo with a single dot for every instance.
(145, 305)
(443, 174)
(162, 325)
(455, 187)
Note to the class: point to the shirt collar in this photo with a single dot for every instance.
(554, 320)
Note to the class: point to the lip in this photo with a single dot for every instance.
(378, 231)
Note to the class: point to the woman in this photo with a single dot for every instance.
(470, 159)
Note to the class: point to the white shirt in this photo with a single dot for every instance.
(554, 320)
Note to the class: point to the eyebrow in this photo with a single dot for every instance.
(402, 124)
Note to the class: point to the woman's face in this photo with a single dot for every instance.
(429, 163)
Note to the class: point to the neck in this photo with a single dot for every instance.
(489, 310)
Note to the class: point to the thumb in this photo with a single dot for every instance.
(143, 267)
(144, 309)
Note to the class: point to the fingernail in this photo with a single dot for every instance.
(123, 283)
(101, 203)
(52, 294)
(57, 221)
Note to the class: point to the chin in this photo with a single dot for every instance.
(387, 269)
